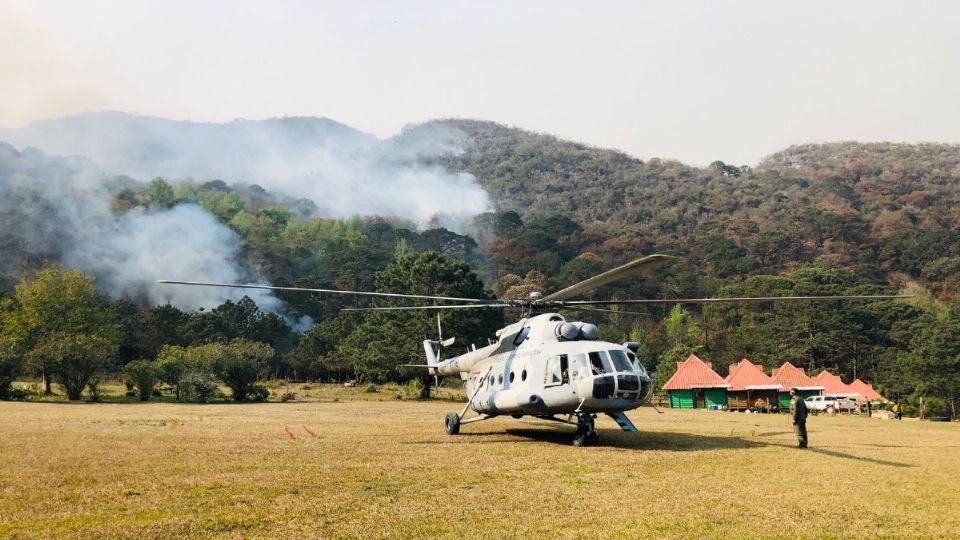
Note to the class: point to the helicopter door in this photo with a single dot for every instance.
(558, 371)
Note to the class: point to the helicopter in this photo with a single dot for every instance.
(543, 365)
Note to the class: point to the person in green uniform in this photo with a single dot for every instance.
(798, 411)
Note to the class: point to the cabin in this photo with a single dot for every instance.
(696, 385)
(790, 377)
(867, 391)
(833, 385)
(751, 388)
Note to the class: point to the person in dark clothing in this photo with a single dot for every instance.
(798, 411)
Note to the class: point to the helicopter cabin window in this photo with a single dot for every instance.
(523, 375)
(620, 361)
(511, 376)
(557, 371)
(500, 379)
(600, 362)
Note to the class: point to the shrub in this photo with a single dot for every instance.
(306, 387)
(93, 385)
(198, 388)
(19, 394)
(143, 375)
(75, 359)
(288, 396)
(370, 389)
(11, 363)
(258, 393)
(239, 364)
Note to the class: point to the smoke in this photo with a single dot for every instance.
(344, 171)
(59, 209)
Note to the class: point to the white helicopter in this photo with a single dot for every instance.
(543, 365)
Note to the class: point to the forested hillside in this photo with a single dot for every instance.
(814, 219)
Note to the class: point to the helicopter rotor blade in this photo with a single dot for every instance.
(328, 291)
(736, 300)
(599, 310)
(406, 308)
(630, 269)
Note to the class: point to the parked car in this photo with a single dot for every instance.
(831, 404)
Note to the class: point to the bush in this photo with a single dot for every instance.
(142, 374)
(93, 385)
(258, 393)
(11, 364)
(239, 364)
(198, 388)
(370, 389)
(934, 406)
(288, 396)
(19, 394)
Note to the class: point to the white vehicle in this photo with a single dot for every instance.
(831, 404)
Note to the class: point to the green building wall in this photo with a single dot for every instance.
(681, 399)
(715, 396)
(804, 394)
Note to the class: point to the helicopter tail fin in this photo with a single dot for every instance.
(431, 355)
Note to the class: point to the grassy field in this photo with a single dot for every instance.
(362, 468)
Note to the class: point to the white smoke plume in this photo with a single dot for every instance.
(58, 209)
(344, 171)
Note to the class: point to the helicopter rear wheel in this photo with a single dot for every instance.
(452, 423)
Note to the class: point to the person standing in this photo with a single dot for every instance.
(798, 411)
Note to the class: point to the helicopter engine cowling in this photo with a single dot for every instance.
(574, 331)
(589, 332)
(568, 331)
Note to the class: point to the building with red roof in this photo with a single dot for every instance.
(750, 387)
(696, 385)
(866, 390)
(834, 386)
(789, 377)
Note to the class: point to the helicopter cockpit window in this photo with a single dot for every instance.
(620, 361)
(635, 362)
(600, 362)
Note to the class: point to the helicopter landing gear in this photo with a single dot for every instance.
(586, 433)
(452, 423)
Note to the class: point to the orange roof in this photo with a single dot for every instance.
(832, 384)
(866, 390)
(790, 376)
(694, 373)
(745, 375)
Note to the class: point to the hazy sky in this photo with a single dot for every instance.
(692, 80)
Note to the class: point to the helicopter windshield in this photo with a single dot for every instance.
(620, 361)
(600, 362)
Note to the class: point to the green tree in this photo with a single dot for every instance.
(11, 365)
(239, 364)
(160, 194)
(57, 303)
(933, 360)
(685, 337)
(74, 359)
(384, 340)
(143, 374)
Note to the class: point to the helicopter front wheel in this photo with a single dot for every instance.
(452, 423)
(586, 433)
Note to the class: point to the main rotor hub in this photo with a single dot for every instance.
(535, 296)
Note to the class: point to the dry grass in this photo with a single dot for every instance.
(387, 470)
